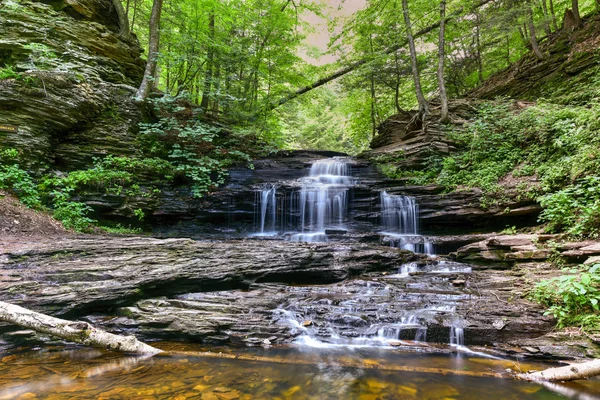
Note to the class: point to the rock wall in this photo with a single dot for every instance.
(71, 97)
(412, 142)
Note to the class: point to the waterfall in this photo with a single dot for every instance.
(400, 223)
(267, 208)
(399, 214)
(321, 203)
(457, 336)
(323, 198)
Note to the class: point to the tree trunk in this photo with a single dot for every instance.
(423, 108)
(208, 77)
(73, 331)
(569, 373)
(135, 8)
(532, 38)
(445, 118)
(546, 18)
(343, 71)
(215, 104)
(144, 89)
(478, 47)
(554, 23)
(575, 5)
(123, 21)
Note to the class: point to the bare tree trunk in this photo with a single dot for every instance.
(532, 38)
(208, 77)
(423, 108)
(149, 73)
(445, 118)
(554, 23)
(215, 105)
(373, 96)
(343, 71)
(478, 47)
(575, 5)
(546, 18)
(569, 373)
(73, 331)
(123, 21)
(135, 8)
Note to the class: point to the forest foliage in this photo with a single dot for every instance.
(236, 59)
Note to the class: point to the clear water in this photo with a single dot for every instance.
(285, 373)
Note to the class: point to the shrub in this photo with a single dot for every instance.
(574, 298)
(575, 209)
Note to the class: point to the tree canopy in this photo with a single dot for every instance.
(241, 61)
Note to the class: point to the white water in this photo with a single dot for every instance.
(321, 203)
(400, 223)
(268, 208)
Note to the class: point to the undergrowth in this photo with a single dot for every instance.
(573, 298)
(176, 148)
(557, 146)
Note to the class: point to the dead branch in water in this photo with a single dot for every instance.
(571, 372)
(73, 331)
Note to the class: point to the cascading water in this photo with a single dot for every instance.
(457, 336)
(268, 208)
(400, 223)
(323, 199)
(320, 204)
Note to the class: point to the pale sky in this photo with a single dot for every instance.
(320, 39)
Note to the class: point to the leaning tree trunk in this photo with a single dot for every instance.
(122, 14)
(144, 90)
(423, 108)
(445, 118)
(73, 331)
(575, 5)
(571, 372)
(532, 38)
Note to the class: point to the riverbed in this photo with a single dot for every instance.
(289, 372)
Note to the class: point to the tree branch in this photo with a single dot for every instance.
(73, 331)
(360, 63)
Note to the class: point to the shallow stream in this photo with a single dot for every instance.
(294, 372)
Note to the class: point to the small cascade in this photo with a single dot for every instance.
(399, 214)
(268, 208)
(323, 199)
(457, 336)
(320, 204)
(400, 223)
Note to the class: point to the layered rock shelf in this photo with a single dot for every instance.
(244, 291)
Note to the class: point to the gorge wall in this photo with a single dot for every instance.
(74, 77)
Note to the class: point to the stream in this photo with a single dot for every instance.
(320, 300)
(304, 374)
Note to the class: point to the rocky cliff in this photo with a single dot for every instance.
(71, 84)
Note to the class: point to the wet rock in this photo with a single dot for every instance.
(92, 272)
(510, 249)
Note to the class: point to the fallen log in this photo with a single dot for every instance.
(571, 372)
(73, 331)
